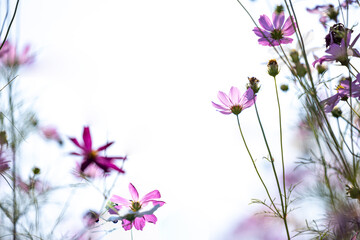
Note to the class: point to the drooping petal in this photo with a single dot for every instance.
(75, 141)
(134, 193)
(150, 196)
(139, 223)
(265, 22)
(268, 42)
(87, 138)
(85, 164)
(286, 40)
(355, 40)
(288, 28)
(249, 103)
(105, 163)
(247, 96)
(330, 102)
(150, 218)
(278, 20)
(126, 224)
(219, 106)
(234, 95)
(224, 99)
(120, 200)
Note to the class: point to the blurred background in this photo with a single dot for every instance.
(143, 74)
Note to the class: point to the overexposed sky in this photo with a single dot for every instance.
(143, 74)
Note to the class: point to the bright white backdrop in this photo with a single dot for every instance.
(143, 74)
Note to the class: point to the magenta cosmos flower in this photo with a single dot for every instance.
(92, 156)
(135, 217)
(234, 103)
(275, 33)
(10, 58)
(340, 52)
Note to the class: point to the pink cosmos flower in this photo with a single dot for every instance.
(343, 93)
(234, 103)
(326, 12)
(340, 53)
(92, 156)
(51, 133)
(135, 217)
(10, 58)
(275, 33)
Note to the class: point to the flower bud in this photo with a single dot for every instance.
(279, 9)
(284, 87)
(336, 112)
(3, 138)
(294, 55)
(36, 170)
(353, 192)
(253, 84)
(273, 68)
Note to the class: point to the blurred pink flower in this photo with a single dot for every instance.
(326, 12)
(275, 33)
(34, 184)
(3, 162)
(92, 171)
(90, 218)
(234, 103)
(135, 205)
(10, 58)
(91, 156)
(51, 133)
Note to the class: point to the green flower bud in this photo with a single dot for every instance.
(284, 87)
(273, 68)
(253, 84)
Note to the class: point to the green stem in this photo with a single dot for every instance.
(257, 172)
(284, 206)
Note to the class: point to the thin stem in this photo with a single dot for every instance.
(284, 206)
(253, 162)
(131, 231)
(11, 22)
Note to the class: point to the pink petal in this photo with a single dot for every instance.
(134, 193)
(87, 138)
(120, 200)
(288, 28)
(266, 23)
(278, 20)
(150, 218)
(126, 224)
(139, 223)
(286, 40)
(234, 95)
(150, 196)
(75, 141)
(105, 146)
(261, 33)
(219, 106)
(224, 99)
(265, 42)
(105, 163)
(161, 203)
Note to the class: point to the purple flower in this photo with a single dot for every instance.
(10, 58)
(340, 53)
(343, 93)
(234, 103)
(135, 217)
(91, 156)
(276, 33)
(327, 12)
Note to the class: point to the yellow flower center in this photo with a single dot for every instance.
(135, 206)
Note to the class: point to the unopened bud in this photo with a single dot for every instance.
(273, 68)
(284, 87)
(3, 138)
(336, 112)
(279, 9)
(36, 170)
(294, 56)
(353, 192)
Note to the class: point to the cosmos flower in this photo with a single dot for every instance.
(343, 93)
(234, 103)
(92, 156)
(10, 58)
(135, 217)
(51, 133)
(275, 33)
(340, 53)
(326, 12)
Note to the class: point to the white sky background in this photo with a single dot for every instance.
(143, 74)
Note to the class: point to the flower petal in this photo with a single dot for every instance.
(87, 138)
(278, 20)
(266, 23)
(120, 200)
(139, 223)
(150, 196)
(104, 147)
(218, 106)
(126, 224)
(261, 33)
(134, 193)
(234, 95)
(224, 99)
(150, 218)
(288, 28)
